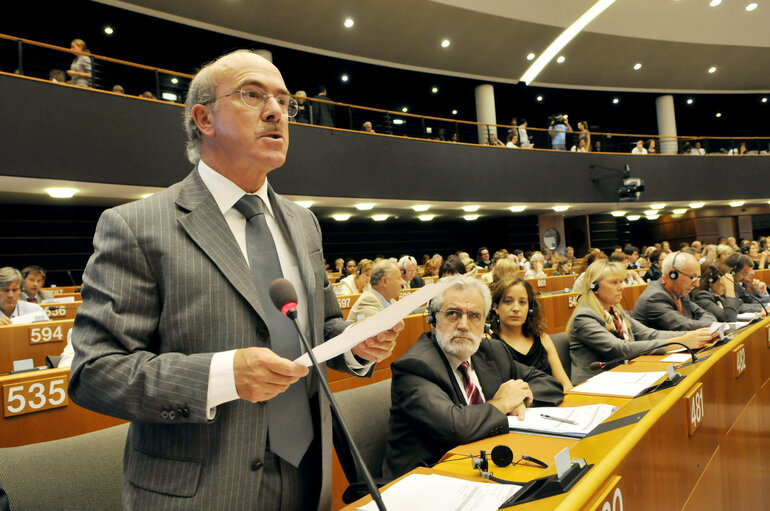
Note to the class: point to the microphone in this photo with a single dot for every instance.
(604, 366)
(748, 292)
(69, 273)
(284, 297)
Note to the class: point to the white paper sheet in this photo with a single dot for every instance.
(31, 317)
(746, 316)
(420, 492)
(63, 299)
(383, 320)
(677, 358)
(616, 383)
(587, 418)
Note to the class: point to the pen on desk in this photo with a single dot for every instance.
(558, 419)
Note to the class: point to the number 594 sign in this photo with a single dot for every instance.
(34, 396)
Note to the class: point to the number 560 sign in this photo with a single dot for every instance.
(34, 396)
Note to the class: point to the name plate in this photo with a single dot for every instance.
(35, 395)
(695, 410)
(406, 292)
(572, 301)
(43, 334)
(344, 302)
(55, 311)
(739, 360)
(610, 497)
(541, 283)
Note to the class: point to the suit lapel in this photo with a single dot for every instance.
(294, 232)
(208, 229)
(487, 373)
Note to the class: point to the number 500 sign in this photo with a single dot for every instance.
(34, 396)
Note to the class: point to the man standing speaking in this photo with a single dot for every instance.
(177, 332)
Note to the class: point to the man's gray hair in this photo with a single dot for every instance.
(407, 258)
(9, 275)
(463, 283)
(380, 270)
(681, 258)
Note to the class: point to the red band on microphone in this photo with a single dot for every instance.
(287, 307)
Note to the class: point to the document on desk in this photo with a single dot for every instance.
(371, 326)
(557, 420)
(617, 383)
(746, 316)
(421, 492)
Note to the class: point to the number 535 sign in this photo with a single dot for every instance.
(34, 396)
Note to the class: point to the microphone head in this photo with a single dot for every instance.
(595, 366)
(282, 292)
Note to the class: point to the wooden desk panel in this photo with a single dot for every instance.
(557, 310)
(631, 294)
(21, 342)
(346, 302)
(63, 289)
(548, 284)
(66, 310)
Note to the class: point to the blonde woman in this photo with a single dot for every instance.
(358, 282)
(80, 69)
(600, 330)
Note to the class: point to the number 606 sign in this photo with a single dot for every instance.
(34, 396)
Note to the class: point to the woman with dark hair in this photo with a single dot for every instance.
(653, 272)
(716, 294)
(349, 269)
(518, 322)
(563, 267)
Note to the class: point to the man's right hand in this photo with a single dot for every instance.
(260, 374)
(510, 396)
(5, 321)
(696, 339)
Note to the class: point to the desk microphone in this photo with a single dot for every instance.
(604, 366)
(284, 297)
(748, 292)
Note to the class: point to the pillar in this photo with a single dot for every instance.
(664, 105)
(485, 112)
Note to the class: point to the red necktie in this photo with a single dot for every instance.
(471, 390)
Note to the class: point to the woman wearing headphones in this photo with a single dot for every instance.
(716, 294)
(517, 321)
(357, 282)
(600, 330)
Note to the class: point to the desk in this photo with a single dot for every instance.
(548, 284)
(702, 444)
(34, 340)
(557, 310)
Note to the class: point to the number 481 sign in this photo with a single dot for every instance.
(695, 409)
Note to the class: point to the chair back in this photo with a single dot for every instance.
(561, 341)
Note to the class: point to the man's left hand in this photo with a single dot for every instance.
(379, 347)
(760, 286)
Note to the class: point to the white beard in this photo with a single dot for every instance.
(460, 344)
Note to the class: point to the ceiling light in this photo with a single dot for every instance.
(426, 218)
(652, 217)
(531, 56)
(689, 101)
(470, 218)
(341, 217)
(380, 218)
(696, 205)
(454, 112)
(304, 203)
(434, 90)
(637, 66)
(344, 78)
(564, 38)
(61, 193)
(718, 114)
(618, 212)
(615, 101)
(659, 205)
(714, 3)
(404, 109)
(349, 23)
(633, 218)
(470, 209)
(365, 206)
(560, 59)
(713, 69)
(109, 31)
(445, 43)
(175, 80)
(560, 208)
(169, 96)
(752, 6)
(540, 98)
(680, 211)
(421, 207)
(649, 212)
(764, 100)
(736, 203)
(517, 209)
(399, 121)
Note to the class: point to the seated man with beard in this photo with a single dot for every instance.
(452, 387)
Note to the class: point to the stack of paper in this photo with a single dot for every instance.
(546, 420)
(617, 383)
(433, 492)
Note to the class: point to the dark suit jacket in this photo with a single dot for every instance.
(323, 113)
(656, 308)
(166, 288)
(416, 282)
(429, 415)
(723, 308)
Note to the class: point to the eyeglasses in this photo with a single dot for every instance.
(254, 97)
(455, 315)
(694, 278)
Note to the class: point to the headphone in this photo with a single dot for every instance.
(715, 274)
(501, 456)
(594, 286)
(674, 273)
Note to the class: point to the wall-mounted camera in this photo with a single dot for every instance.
(631, 189)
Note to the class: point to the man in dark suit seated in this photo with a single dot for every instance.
(751, 291)
(453, 387)
(665, 304)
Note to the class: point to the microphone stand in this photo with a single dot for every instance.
(373, 490)
(613, 363)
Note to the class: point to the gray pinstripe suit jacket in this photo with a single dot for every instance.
(166, 288)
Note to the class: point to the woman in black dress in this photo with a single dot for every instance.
(517, 321)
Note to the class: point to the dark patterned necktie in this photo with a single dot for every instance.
(290, 426)
(471, 390)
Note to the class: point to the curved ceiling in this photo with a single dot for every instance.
(676, 41)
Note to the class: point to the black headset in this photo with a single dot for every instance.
(674, 273)
(594, 286)
(501, 456)
(715, 274)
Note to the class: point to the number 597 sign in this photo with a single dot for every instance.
(34, 396)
